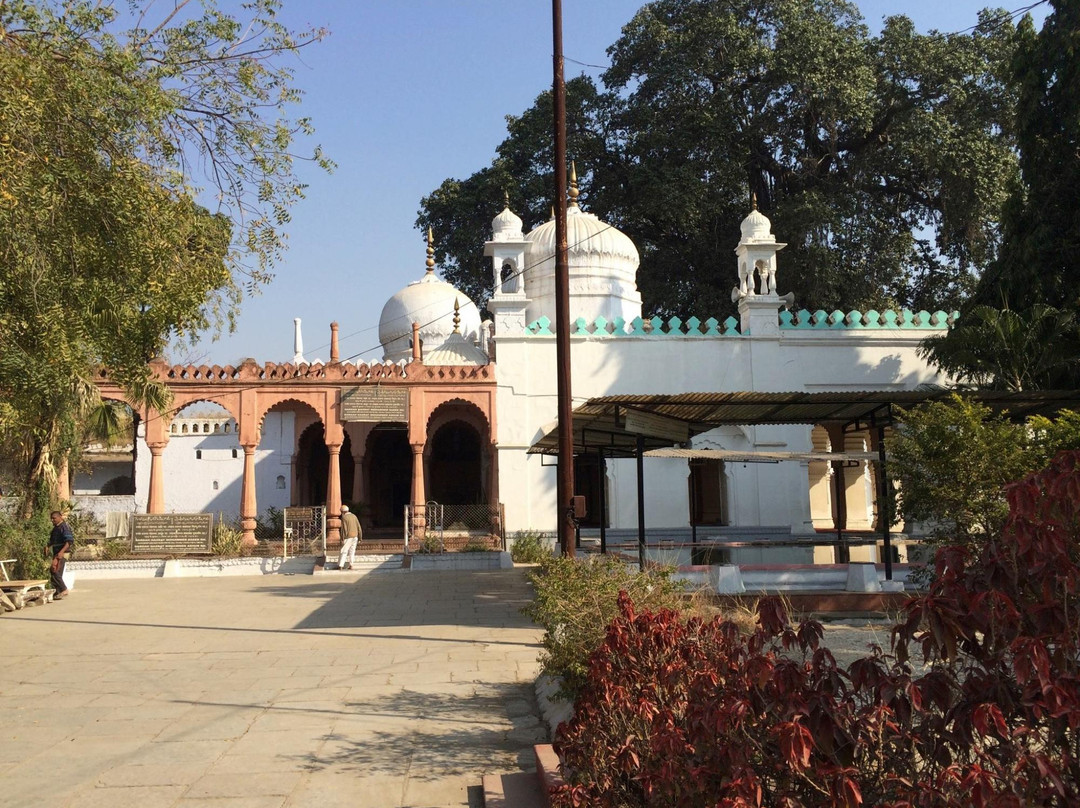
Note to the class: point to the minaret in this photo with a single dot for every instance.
(507, 252)
(756, 255)
(298, 343)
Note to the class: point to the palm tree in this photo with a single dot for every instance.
(1003, 349)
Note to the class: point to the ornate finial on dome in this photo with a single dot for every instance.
(430, 254)
(457, 316)
(573, 185)
(753, 200)
(552, 213)
(506, 198)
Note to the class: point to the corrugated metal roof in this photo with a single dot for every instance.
(601, 422)
(734, 456)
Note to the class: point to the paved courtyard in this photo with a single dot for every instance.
(384, 689)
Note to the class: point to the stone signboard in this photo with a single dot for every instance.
(374, 404)
(172, 533)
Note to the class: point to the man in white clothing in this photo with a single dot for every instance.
(350, 532)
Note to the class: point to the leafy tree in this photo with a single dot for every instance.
(953, 460)
(1040, 254)
(881, 159)
(1020, 330)
(1008, 350)
(112, 143)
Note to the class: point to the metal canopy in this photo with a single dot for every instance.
(666, 420)
(735, 456)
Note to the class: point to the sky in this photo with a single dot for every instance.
(404, 94)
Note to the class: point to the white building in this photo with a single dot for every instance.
(769, 348)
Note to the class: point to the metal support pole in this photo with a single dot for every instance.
(641, 501)
(693, 505)
(603, 502)
(562, 294)
(883, 508)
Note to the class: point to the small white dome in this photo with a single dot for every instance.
(429, 302)
(506, 226)
(456, 351)
(756, 227)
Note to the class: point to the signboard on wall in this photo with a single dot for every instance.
(172, 533)
(374, 404)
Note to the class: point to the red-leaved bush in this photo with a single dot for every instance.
(679, 712)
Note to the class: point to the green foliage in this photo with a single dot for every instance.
(270, 525)
(431, 543)
(228, 540)
(883, 160)
(574, 602)
(1040, 255)
(952, 461)
(108, 140)
(115, 549)
(25, 541)
(530, 547)
(1008, 350)
(476, 546)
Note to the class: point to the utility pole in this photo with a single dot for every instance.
(565, 489)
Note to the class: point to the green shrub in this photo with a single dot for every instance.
(84, 525)
(432, 543)
(114, 549)
(476, 546)
(574, 602)
(530, 547)
(26, 541)
(228, 539)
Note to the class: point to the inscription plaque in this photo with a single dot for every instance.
(172, 533)
(374, 404)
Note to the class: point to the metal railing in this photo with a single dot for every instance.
(435, 528)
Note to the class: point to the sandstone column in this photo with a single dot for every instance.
(333, 496)
(249, 508)
(155, 503)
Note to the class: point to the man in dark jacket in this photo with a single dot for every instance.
(61, 540)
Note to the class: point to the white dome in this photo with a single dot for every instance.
(506, 226)
(588, 240)
(756, 227)
(603, 265)
(429, 302)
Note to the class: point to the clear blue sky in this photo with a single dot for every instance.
(403, 94)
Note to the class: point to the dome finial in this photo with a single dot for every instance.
(457, 316)
(573, 185)
(430, 254)
(753, 200)
(506, 198)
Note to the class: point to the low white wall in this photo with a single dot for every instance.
(461, 561)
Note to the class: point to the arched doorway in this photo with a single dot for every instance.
(454, 465)
(313, 466)
(388, 464)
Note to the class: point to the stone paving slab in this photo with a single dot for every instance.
(381, 690)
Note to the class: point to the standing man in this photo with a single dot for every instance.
(350, 529)
(61, 540)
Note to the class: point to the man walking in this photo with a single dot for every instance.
(350, 531)
(61, 540)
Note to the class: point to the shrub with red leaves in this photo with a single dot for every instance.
(680, 712)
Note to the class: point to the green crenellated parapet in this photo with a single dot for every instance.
(870, 320)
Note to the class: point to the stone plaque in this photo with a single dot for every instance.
(172, 533)
(374, 404)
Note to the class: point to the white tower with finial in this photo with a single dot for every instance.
(756, 255)
(507, 251)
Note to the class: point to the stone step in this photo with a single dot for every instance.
(370, 563)
(517, 790)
